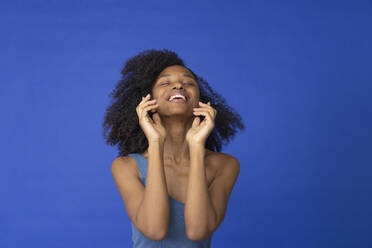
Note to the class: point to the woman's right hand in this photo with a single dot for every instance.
(153, 128)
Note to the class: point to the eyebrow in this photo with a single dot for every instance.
(186, 75)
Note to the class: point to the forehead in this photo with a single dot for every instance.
(175, 70)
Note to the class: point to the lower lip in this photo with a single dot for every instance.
(178, 100)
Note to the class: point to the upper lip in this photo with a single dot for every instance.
(177, 93)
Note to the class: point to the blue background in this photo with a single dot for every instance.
(299, 73)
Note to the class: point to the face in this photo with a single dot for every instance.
(176, 79)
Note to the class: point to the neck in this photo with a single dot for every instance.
(176, 148)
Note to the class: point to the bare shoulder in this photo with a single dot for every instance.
(226, 175)
(125, 165)
(223, 162)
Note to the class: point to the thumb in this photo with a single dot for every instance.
(196, 122)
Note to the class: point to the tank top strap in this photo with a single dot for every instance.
(141, 164)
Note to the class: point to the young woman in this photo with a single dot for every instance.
(169, 125)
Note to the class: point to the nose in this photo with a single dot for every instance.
(178, 85)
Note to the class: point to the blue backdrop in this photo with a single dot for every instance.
(299, 73)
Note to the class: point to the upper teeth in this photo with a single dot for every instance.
(172, 97)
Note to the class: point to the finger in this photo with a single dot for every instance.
(148, 108)
(154, 110)
(205, 108)
(207, 118)
(201, 105)
(144, 104)
(205, 105)
(205, 113)
(143, 111)
(145, 98)
(196, 122)
(140, 107)
(212, 111)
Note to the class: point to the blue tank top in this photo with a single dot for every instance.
(177, 232)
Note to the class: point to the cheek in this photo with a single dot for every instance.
(194, 102)
(154, 94)
(197, 94)
(159, 95)
(196, 97)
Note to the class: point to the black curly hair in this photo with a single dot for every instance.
(121, 124)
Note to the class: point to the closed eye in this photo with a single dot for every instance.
(187, 83)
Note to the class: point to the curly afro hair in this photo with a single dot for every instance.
(121, 124)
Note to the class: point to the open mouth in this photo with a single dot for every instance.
(177, 98)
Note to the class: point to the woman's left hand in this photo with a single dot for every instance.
(199, 132)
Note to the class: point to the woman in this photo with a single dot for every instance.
(169, 125)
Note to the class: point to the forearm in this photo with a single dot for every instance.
(155, 203)
(200, 215)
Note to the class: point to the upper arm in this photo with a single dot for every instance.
(222, 186)
(125, 173)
